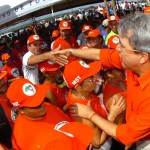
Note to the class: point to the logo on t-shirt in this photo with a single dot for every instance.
(13, 114)
(15, 72)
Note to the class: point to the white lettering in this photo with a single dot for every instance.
(76, 80)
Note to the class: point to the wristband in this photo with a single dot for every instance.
(92, 115)
(70, 52)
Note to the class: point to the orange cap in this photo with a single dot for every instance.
(48, 66)
(2, 74)
(77, 71)
(16, 42)
(147, 10)
(69, 136)
(33, 38)
(65, 24)
(55, 33)
(113, 18)
(113, 41)
(22, 92)
(5, 56)
(94, 33)
(86, 28)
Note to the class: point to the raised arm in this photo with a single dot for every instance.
(91, 53)
(35, 59)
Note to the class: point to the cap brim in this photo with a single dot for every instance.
(53, 69)
(93, 35)
(2, 74)
(82, 132)
(65, 28)
(95, 67)
(51, 139)
(35, 41)
(38, 98)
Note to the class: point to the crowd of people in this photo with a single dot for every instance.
(79, 85)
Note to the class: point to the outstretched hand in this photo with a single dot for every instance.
(60, 56)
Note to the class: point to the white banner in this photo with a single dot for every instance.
(26, 7)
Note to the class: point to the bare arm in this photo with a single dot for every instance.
(35, 59)
(91, 53)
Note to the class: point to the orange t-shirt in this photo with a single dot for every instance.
(12, 71)
(66, 45)
(94, 101)
(8, 108)
(60, 95)
(110, 90)
(24, 128)
(138, 101)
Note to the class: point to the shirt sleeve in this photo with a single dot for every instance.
(137, 127)
(25, 60)
(110, 58)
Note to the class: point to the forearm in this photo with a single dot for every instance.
(92, 53)
(35, 59)
(104, 135)
(106, 125)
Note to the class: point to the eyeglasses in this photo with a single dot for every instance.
(122, 47)
(91, 79)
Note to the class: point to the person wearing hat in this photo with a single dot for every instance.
(81, 39)
(34, 114)
(33, 57)
(55, 35)
(113, 25)
(64, 136)
(66, 40)
(56, 95)
(132, 55)
(11, 68)
(114, 87)
(6, 114)
(113, 42)
(105, 31)
(94, 39)
(82, 82)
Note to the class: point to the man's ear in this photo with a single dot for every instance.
(144, 58)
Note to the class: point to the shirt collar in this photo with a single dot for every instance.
(144, 80)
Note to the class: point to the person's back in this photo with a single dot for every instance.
(34, 115)
(25, 128)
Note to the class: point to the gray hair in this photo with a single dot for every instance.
(136, 28)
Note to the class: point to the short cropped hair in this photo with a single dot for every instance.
(136, 29)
